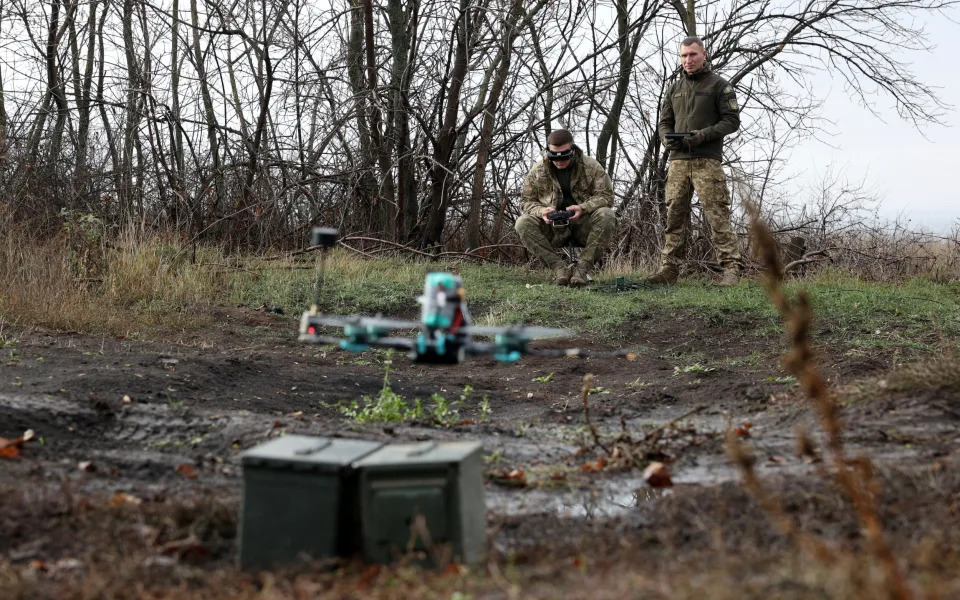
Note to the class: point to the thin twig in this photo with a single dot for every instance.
(584, 395)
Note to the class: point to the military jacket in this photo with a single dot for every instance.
(589, 184)
(700, 101)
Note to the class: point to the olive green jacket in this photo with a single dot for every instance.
(701, 101)
(589, 184)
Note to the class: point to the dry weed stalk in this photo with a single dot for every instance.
(741, 456)
(855, 477)
(584, 396)
(625, 451)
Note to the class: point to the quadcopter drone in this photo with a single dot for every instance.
(445, 330)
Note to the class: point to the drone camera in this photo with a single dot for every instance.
(324, 236)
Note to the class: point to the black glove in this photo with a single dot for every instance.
(672, 144)
(695, 138)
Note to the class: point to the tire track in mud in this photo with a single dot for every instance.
(129, 441)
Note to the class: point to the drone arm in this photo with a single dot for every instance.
(578, 353)
(311, 338)
(395, 343)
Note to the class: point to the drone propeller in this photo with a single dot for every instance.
(377, 322)
(519, 331)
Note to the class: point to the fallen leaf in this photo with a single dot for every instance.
(298, 413)
(279, 424)
(593, 467)
(741, 432)
(657, 475)
(777, 459)
(121, 498)
(87, 466)
(513, 478)
(38, 565)
(11, 448)
(187, 471)
(185, 548)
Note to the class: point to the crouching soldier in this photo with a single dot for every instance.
(565, 179)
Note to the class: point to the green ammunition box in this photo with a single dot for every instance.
(425, 498)
(300, 500)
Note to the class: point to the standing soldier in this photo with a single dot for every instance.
(703, 105)
(566, 179)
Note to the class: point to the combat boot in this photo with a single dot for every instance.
(730, 277)
(667, 275)
(581, 274)
(561, 275)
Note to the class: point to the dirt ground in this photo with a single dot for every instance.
(134, 474)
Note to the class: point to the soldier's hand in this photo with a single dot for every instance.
(672, 144)
(695, 138)
(544, 212)
(576, 209)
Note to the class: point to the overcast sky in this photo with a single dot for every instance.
(914, 172)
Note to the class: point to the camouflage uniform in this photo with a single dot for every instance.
(592, 190)
(704, 102)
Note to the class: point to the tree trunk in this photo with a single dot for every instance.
(628, 51)
(475, 214)
(216, 176)
(443, 147)
(403, 28)
(56, 92)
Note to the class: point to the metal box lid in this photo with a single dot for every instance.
(419, 454)
(302, 452)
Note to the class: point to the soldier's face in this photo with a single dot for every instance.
(565, 148)
(692, 58)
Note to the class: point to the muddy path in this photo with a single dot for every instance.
(158, 420)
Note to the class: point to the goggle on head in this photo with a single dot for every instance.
(560, 156)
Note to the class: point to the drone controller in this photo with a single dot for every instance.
(560, 218)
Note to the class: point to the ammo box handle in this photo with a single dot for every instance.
(427, 447)
(314, 449)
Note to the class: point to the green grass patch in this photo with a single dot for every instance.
(138, 282)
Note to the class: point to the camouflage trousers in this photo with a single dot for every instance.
(591, 231)
(706, 177)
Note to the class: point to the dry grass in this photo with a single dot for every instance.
(940, 372)
(854, 476)
(84, 284)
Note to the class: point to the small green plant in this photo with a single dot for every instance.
(694, 368)
(494, 457)
(388, 406)
(544, 378)
(444, 412)
(637, 383)
(784, 379)
(485, 410)
(171, 402)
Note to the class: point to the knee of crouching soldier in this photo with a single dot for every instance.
(526, 223)
(605, 217)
